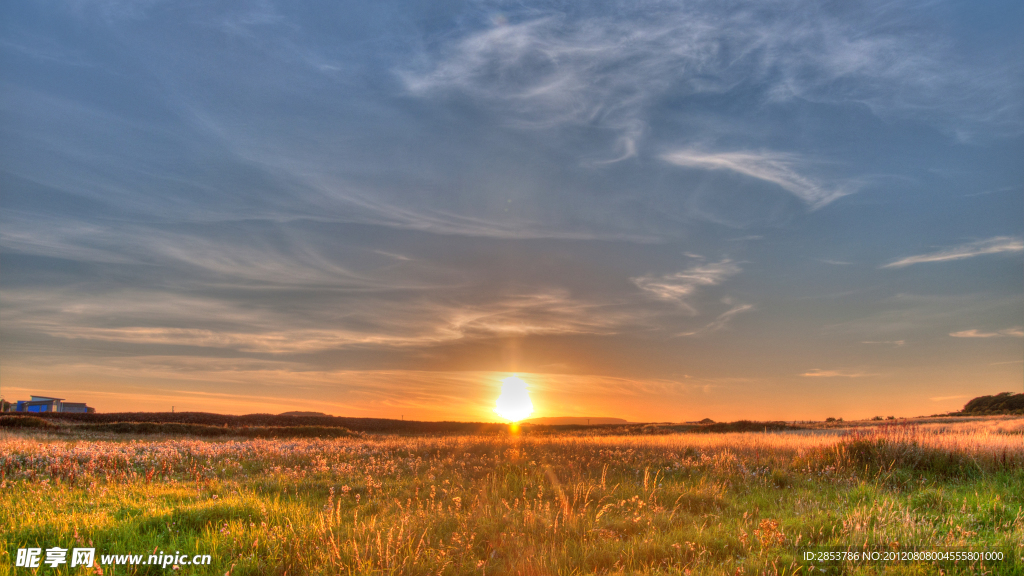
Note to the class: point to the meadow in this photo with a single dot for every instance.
(523, 503)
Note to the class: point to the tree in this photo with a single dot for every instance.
(1003, 402)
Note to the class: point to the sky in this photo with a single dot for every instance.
(658, 211)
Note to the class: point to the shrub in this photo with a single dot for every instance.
(1004, 402)
(26, 422)
(202, 430)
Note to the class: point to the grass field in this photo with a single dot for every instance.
(520, 503)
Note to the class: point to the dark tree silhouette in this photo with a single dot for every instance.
(1004, 402)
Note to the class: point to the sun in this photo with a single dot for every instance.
(514, 403)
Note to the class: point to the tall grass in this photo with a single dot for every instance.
(740, 503)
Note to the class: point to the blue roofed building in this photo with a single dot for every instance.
(48, 404)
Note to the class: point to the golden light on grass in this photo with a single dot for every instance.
(514, 402)
(480, 504)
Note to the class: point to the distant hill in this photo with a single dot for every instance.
(303, 414)
(574, 420)
(1004, 403)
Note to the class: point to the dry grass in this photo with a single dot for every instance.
(664, 504)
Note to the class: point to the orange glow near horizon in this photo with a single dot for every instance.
(155, 384)
(514, 402)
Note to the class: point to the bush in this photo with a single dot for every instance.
(297, 432)
(380, 425)
(27, 422)
(180, 429)
(156, 428)
(747, 426)
(1004, 402)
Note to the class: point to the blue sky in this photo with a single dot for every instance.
(651, 210)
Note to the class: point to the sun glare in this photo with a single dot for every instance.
(514, 402)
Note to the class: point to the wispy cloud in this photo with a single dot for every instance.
(816, 373)
(771, 167)
(975, 333)
(263, 253)
(722, 320)
(547, 68)
(944, 398)
(273, 342)
(681, 286)
(726, 316)
(996, 245)
(603, 76)
(553, 70)
(157, 318)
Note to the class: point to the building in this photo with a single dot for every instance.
(48, 404)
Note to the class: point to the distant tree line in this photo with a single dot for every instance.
(1003, 403)
(376, 425)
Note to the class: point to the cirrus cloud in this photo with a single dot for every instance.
(680, 286)
(771, 167)
(975, 333)
(544, 67)
(817, 373)
(996, 245)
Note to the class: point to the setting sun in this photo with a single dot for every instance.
(514, 402)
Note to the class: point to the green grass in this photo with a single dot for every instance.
(674, 504)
